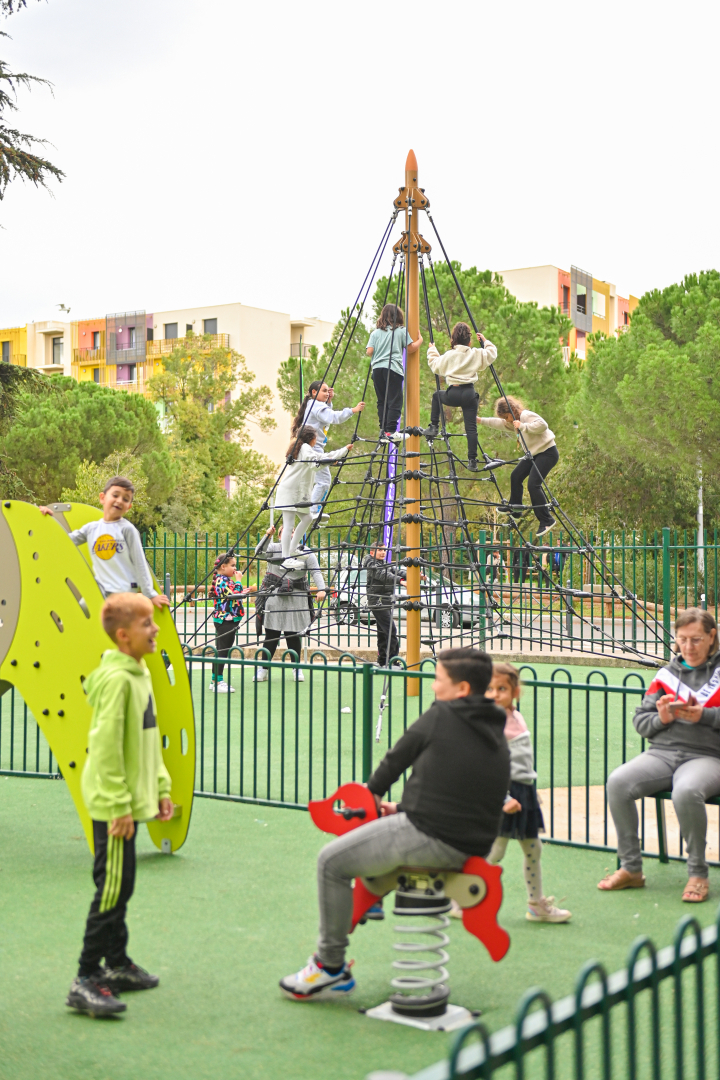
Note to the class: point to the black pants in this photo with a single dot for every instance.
(106, 933)
(225, 633)
(466, 398)
(388, 412)
(536, 469)
(272, 640)
(382, 609)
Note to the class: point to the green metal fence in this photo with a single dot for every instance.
(283, 741)
(658, 573)
(659, 1017)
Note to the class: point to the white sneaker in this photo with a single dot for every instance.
(545, 911)
(298, 676)
(223, 688)
(546, 528)
(396, 436)
(261, 675)
(314, 984)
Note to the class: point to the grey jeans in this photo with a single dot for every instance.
(693, 779)
(369, 851)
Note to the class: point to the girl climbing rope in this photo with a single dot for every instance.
(512, 417)
(385, 348)
(294, 491)
(460, 366)
(316, 412)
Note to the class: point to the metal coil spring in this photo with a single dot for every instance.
(416, 982)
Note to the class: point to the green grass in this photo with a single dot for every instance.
(232, 912)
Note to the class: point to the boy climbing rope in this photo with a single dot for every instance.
(460, 366)
(124, 781)
(512, 417)
(449, 810)
(385, 348)
(316, 412)
(118, 560)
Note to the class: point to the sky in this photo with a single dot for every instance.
(219, 151)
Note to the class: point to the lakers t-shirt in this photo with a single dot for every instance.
(118, 559)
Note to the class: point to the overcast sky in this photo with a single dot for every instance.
(219, 150)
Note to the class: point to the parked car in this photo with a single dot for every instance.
(450, 604)
(350, 603)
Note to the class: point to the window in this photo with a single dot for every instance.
(171, 329)
(566, 298)
(96, 339)
(150, 333)
(580, 347)
(96, 374)
(598, 299)
(209, 326)
(626, 320)
(57, 353)
(582, 299)
(131, 337)
(188, 328)
(6, 352)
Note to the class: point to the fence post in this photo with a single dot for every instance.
(667, 632)
(482, 605)
(367, 721)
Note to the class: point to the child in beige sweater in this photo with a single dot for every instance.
(460, 366)
(512, 417)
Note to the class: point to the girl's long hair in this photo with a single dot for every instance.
(220, 561)
(304, 435)
(390, 316)
(501, 407)
(311, 394)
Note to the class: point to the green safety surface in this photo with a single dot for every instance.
(223, 919)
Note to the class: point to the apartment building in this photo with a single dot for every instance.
(592, 305)
(125, 349)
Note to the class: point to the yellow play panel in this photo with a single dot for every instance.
(51, 639)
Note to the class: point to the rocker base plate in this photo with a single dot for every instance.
(455, 1016)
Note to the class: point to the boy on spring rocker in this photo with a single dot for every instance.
(124, 782)
(456, 749)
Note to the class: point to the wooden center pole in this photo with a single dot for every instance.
(412, 376)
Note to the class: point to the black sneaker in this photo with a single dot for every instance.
(128, 977)
(431, 432)
(472, 464)
(89, 994)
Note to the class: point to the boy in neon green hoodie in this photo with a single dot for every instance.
(124, 781)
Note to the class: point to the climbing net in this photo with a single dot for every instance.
(461, 537)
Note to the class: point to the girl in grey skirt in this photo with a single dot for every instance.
(285, 601)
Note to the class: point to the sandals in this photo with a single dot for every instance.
(622, 879)
(696, 891)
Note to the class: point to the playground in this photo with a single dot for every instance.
(223, 919)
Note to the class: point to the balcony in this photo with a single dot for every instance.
(89, 356)
(168, 345)
(298, 348)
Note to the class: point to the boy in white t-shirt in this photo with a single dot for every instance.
(118, 560)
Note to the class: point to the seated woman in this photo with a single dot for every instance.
(680, 717)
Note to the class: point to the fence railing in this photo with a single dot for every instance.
(310, 727)
(656, 575)
(658, 1017)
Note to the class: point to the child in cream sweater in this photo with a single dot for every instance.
(460, 366)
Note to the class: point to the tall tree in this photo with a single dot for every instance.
(650, 396)
(51, 435)
(16, 159)
(210, 433)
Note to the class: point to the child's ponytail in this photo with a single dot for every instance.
(311, 395)
(220, 561)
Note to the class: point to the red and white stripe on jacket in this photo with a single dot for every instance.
(707, 696)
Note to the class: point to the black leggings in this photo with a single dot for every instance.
(390, 411)
(536, 469)
(465, 397)
(272, 640)
(224, 640)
